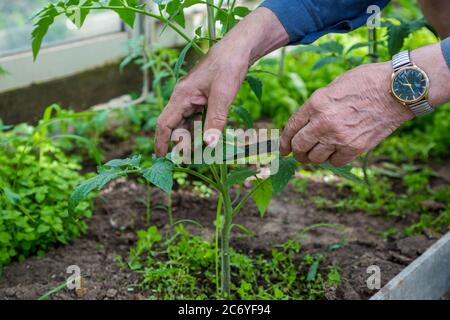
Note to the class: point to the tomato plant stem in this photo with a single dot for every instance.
(218, 229)
(226, 230)
(161, 18)
(148, 204)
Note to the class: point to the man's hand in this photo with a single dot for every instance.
(215, 81)
(356, 111)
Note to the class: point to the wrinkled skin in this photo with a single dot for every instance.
(351, 115)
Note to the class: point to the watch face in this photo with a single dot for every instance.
(410, 85)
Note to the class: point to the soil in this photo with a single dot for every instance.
(120, 212)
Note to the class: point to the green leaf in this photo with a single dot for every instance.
(287, 167)
(332, 47)
(176, 12)
(12, 197)
(241, 11)
(127, 16)
(244, 229)
(129, 162)
(325, 61)
(75, 14)
(309, 48)
(95, 183)
(262, 195)
(396, 37)
(238, 176)
(45, 19)
(344, 172)
(244, 115)
(5, 237)
(397, 33)
(181, 59)
(256, 85)
(43, 228)
(312, 271)
(160, 174)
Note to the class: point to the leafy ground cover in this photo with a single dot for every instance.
(345, 244)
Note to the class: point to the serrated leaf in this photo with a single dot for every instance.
(95, 183)
(256, 85)
(244, 115)
(45, 19)
(396, 37)
(176, 12)
(181, 60)
(129, 162)
(344, 172)
(238, 176)
(398, 33)
(128, 16)
(262, 195)
(286, 171)
(160, 174)
(75, 14)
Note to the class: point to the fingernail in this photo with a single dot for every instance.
(212, 140)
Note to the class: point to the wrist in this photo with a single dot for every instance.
(256, 36)
(431, 60)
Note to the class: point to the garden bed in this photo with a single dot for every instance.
(120, 212)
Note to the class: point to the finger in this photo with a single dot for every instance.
(167, 121)
(181, 135)
(301, 157)
(340, 158)
(305, 140)
(320, 153)
(182, 138)
(182, 104)
(219, 103)
(295, 123)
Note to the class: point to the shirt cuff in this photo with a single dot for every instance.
(445, 45)
(305, 21)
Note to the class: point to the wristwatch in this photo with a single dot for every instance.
(410, 85)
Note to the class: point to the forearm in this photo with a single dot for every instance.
(437, 12)
(431, 60)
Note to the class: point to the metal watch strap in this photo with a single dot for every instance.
(402, 60)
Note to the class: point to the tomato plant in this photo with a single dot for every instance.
(222, 177)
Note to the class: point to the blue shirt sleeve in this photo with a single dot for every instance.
(307, 20)
(445, 45)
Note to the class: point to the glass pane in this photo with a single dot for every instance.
(16, 27)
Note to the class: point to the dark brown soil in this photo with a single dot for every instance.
(121, 212)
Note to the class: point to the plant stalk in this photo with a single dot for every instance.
(226, 230)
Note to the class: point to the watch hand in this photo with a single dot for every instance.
(412, 90)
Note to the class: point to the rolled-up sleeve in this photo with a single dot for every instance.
(445, 45)
(307, 20)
